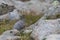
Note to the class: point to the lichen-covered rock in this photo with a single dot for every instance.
(19, 25)
(35, 6)
(14, 15)
(44, 28)
(5, 8)
(52, 13)
(29, 6)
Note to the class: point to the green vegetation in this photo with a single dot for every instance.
(31, 19)
(25, 36)
(7, 25)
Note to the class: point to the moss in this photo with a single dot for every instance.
(31, 19)
(44, 39)
(6, 26)
(58, 16)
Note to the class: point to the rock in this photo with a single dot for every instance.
(53, 37)
(29, 6)
(19, 25)
(14, 15)
(43, 28)
(5, 8)
(4, 17)
(9, 2)
(49, 1)
(52, 13)
(9, 12)
(10, 35)
(59, 0)
(35, 6)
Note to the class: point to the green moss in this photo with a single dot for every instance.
(58, 16)
(6, 26)
(30, 19)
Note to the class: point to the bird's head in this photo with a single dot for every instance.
(12, 32)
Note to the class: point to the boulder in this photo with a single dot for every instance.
(43, 28)
(14, 15)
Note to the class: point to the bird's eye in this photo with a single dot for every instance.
(11, 31)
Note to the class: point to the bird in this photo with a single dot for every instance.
(12, 32)
(19, 25)
(10, 35)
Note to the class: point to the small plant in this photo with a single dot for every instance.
(25, 36)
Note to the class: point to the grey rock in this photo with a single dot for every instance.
(44, 28)
(14, 15)
(35, 6)
(5, 8)
(53, 37)
(19, 24)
